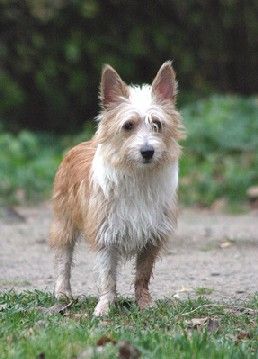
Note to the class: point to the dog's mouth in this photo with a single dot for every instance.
(147, 161)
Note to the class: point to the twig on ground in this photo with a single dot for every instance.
(235, 307)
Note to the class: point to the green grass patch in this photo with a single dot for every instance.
(203, 291)
(14, 282)
(171, 329)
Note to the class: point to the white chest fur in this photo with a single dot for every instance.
(138, 205)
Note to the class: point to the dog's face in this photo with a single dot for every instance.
(139, 126)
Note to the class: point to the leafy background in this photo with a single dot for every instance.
(51, 54)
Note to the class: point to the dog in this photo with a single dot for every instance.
(119, 190)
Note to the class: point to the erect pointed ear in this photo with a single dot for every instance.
(164, 86)
(112, 87)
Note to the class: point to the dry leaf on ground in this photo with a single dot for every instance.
(104, 340)
(226, 244)
(128, 351)
(58, 308)
(243, 336)
(211, 324)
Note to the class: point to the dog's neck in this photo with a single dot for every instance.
(137, 204)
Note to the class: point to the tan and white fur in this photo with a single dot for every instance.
(120, 188)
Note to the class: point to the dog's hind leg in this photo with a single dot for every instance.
(107, 260)
(144, 265)
(62, 241)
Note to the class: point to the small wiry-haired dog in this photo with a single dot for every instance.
(120, 188)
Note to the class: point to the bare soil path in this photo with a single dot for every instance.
(213, 251)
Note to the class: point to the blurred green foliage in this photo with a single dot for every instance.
(220, 155)
(51, 53)
(28, 163)
(220, 158)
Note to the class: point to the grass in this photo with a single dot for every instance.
(203, 291)
(171, 329)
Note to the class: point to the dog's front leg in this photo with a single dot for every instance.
(107, 260)
(144, 265)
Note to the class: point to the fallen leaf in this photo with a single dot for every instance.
(30, 331)
(211, 324)
(76, 316)
(128, 351)
(243, 336)
(241, 310)
(57, 308)
(196, 323)
(226, 244)
(182, 290)
(104, 340)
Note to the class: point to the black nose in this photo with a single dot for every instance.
(147, 152)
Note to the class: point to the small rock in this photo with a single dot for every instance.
(226, 244)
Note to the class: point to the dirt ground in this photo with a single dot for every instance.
(211, 250)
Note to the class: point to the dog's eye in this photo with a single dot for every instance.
(156, 124)
(129, 125)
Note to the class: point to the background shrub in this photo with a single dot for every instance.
(221, 153)
(51, 53)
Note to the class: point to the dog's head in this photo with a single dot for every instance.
(139, 126)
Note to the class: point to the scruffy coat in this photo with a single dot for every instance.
(104, 189)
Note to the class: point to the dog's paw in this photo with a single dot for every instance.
(63, 294)
(104, 303)
(103, 306)
(144, 300)
(101, 309)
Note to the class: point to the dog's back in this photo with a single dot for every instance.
(71, 193)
